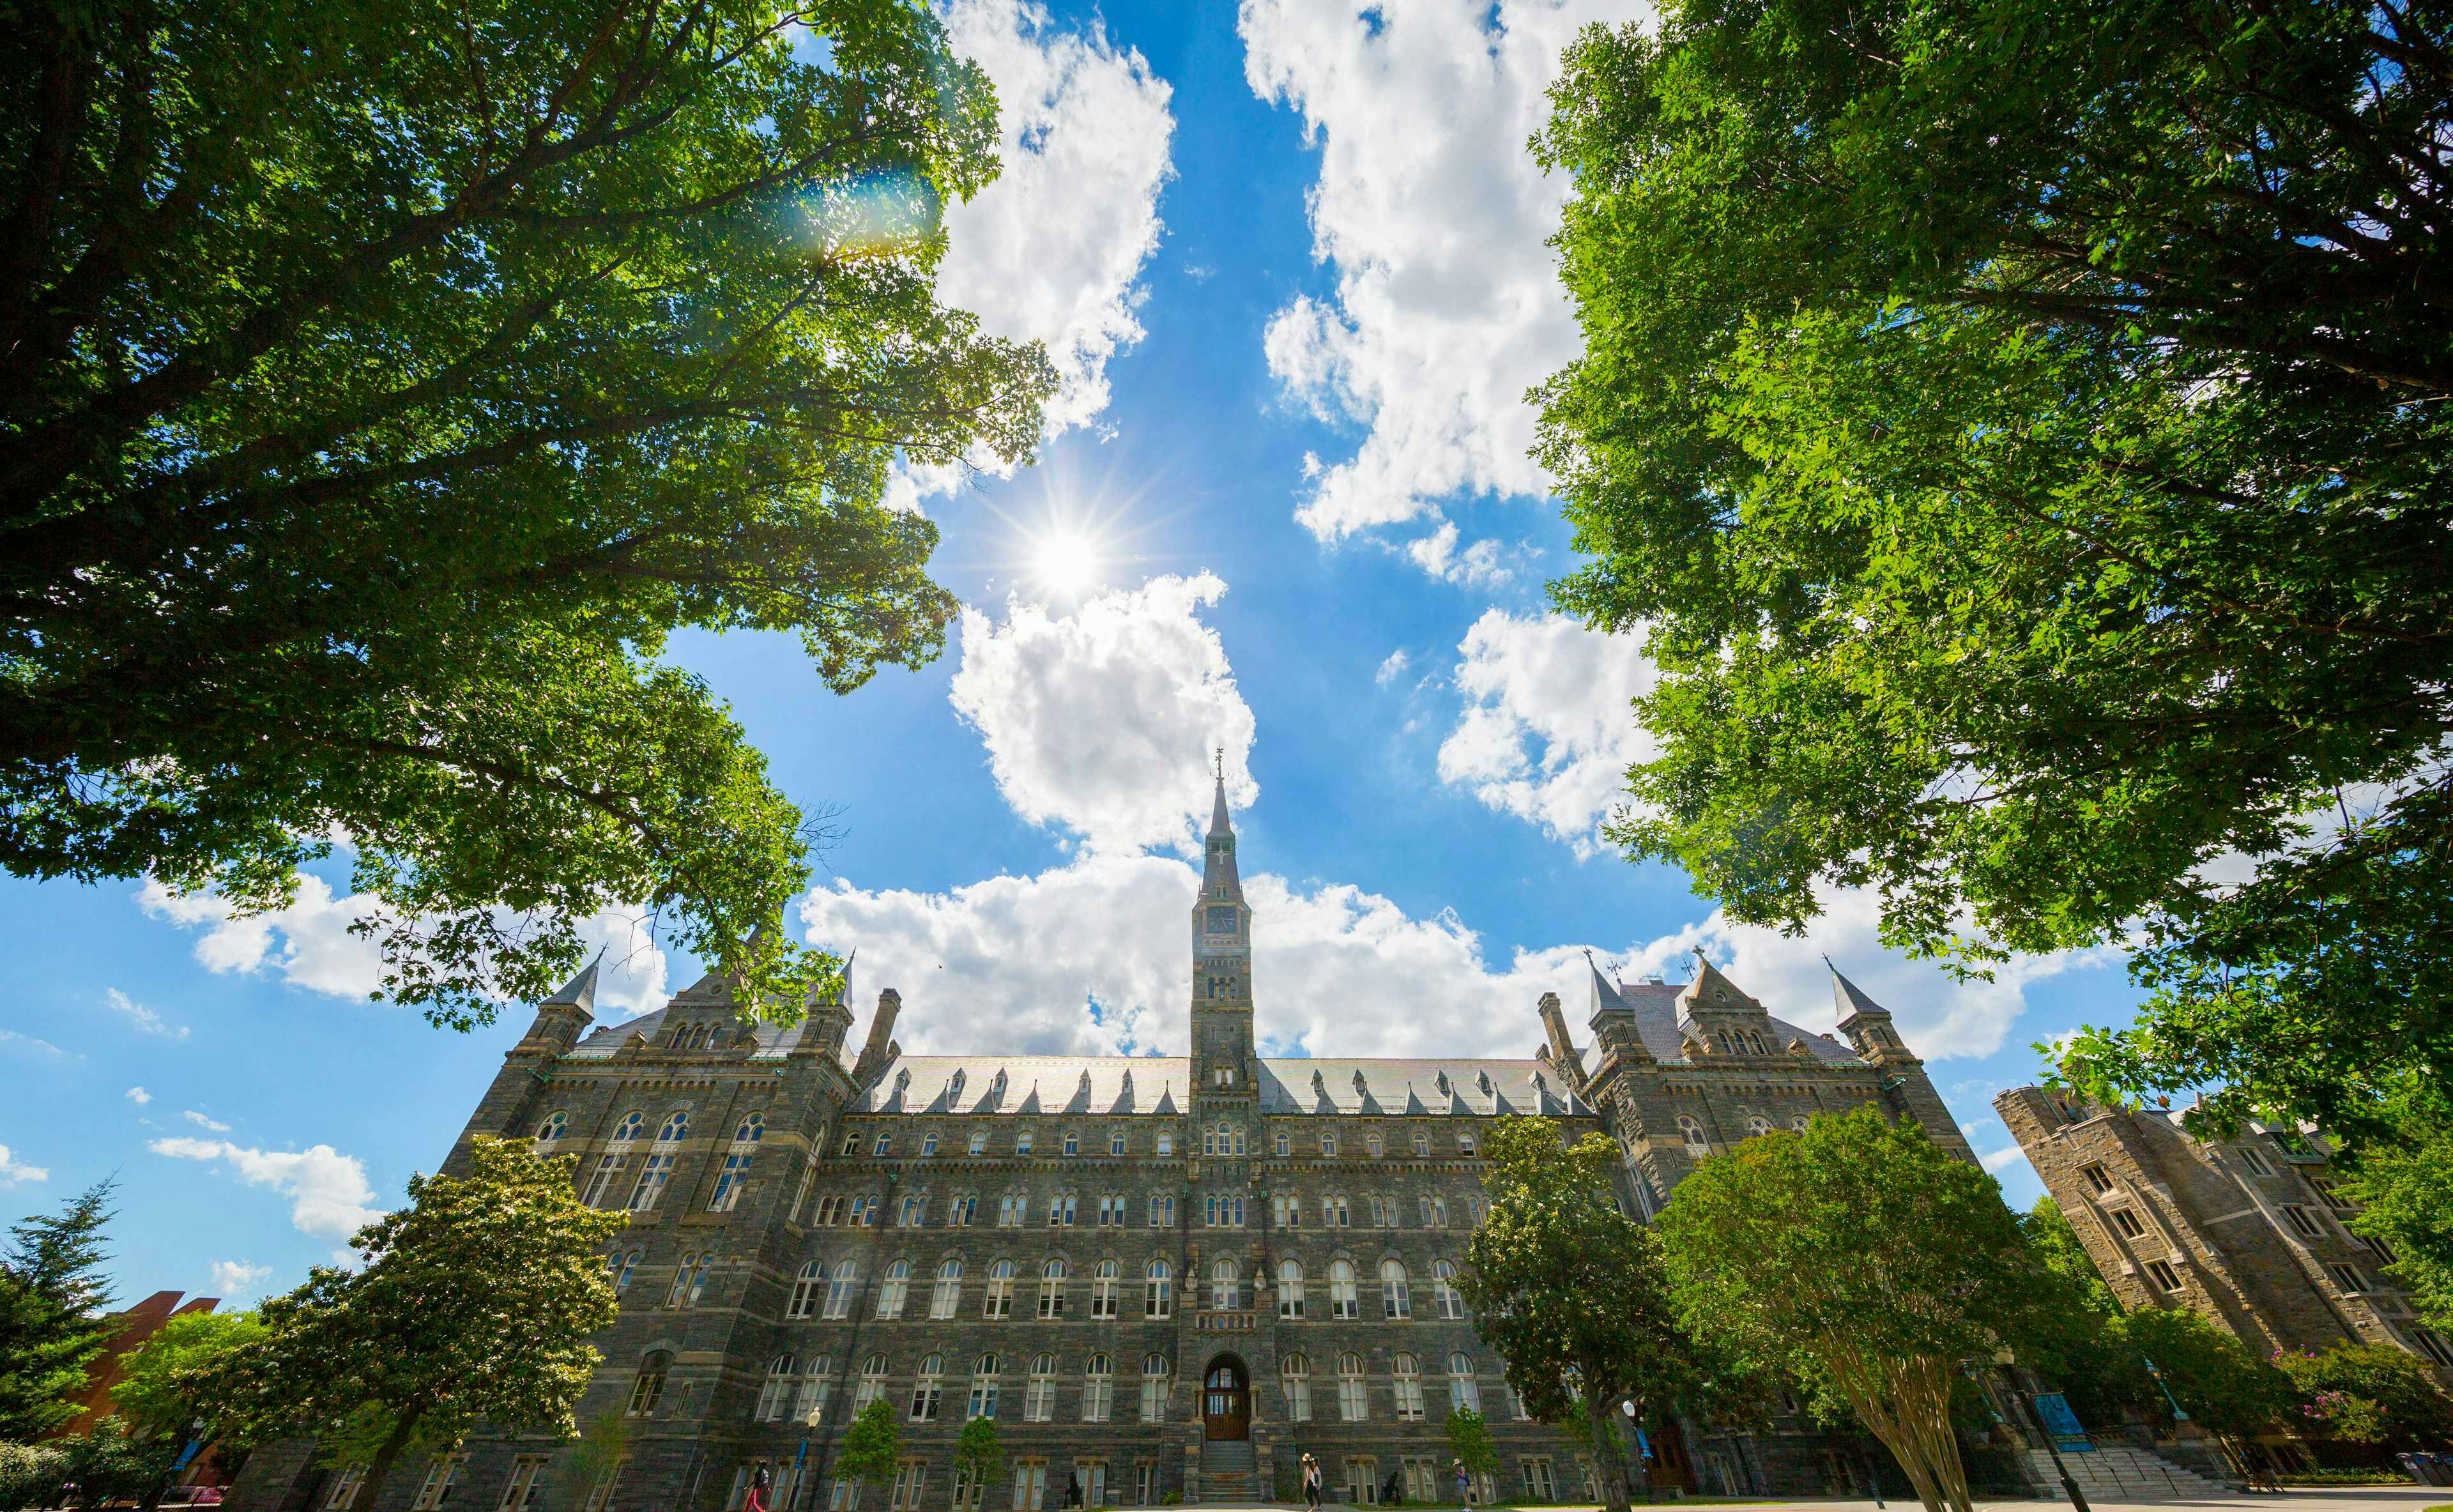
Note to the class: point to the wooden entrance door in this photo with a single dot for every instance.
(1227, 1400)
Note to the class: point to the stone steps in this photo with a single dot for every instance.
(2118, 1473)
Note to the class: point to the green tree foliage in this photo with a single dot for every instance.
(31, 1474)
(1860, 1257)
(1469, 1441)
(2404, 1189)
(475, 1302)
(53, 1297)
(872, 1446)
(2021, 433)
(2218, 1381)
(599, 1451)
(111, 1464)
(164, 1381)
(2376, 1391)
(1554, 1242)
(980, 1450)
(387, 378)
(2056, 1247)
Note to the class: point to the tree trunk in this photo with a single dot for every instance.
(404, 1428)
(1607, 1465)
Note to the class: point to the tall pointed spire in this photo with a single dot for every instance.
(580, 991)
(1219, 878)
(1218, 823)
(1849, 998)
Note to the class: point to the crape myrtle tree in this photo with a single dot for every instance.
(386, 380)
(1571, 1292)
(53, 1299)
(1867, 1262)
(475, 1302)
(2019, 432)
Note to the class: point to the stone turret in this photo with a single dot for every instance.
(879, 1050)
(1560, 1049)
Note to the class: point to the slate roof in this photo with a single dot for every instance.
(1655, 1006)
(606, 1038)
(1087, 1084)
(1459, 1087)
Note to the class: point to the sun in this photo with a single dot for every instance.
(1066, 562)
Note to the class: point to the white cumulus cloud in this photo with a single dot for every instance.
(1392, 669)
(1053, 249)
(199, 1119)
(1447, 307)
(1092, 959)
(1102, 721)
(1545, 734)
(235, 1279)
(308, 944)
(13, 1171)
(139, 1096)
(141, 1016)
(328, 1194)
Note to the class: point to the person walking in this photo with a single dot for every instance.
(1464, 1482)
(1311, 1483)
(759, 1482)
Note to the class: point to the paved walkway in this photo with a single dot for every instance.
(2294, 1498)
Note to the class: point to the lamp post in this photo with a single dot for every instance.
(2078, 1498)
(1642, 1451)
(2178, 1416)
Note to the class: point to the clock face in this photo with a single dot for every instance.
(1222, 921)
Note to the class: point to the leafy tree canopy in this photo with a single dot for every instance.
(1469, 1441)
(53, 1297)
(2022, 435)
(980, 1449)
(1556, 1240)
(164, 1381)
(872, 1446)
(2404, 1189)
(475, 1302)
(387, 378)
(1862, 1258)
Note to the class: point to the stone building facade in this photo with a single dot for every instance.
(1165, 1276)
(2251, 1232)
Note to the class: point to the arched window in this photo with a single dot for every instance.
(1051, 1290)
(676, 1127)
(1341, 1289)
(649, 1387)
(872, 1383)
(1465, 1393)
(1291, 1289)
(689, 1280)
(1224, 1138)
(1373, 1145)
(894, 1289)
(1115, 1141)
(1395, 1300)
(1697, 1145)
(1757, 1126)
(1158, 1290)
(632, 1126)
(1419, 1143)
(1294, 1374)
(1072, 1142)
(659, 1166)
(978, 1143)
(1444, 1292)
(1797, 1125)
(1022, 1143)
(806, 1289)
(624, 1265)
(816, 1384)
(752, 1129)
(841, 1282)
(1103, 1280)
(1154, 1374)
(1039, 1393)
(1226, 1287)
(734, 1174)
(1408, 1374)
(1098, 1389)
(1352, 1404)
(984, 1387)
(1000, 1293)
(929, 1389)
(947, 1294)
(775, 1395)
(556, 1124)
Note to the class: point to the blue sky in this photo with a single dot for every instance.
(1290, 262)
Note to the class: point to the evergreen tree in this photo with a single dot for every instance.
(387, 380)
(1554, 1243)
(53, 1297)
(475, 1303)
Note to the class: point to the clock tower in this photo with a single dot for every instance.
(1222, 963)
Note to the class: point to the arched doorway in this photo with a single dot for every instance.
(1225, 1400)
